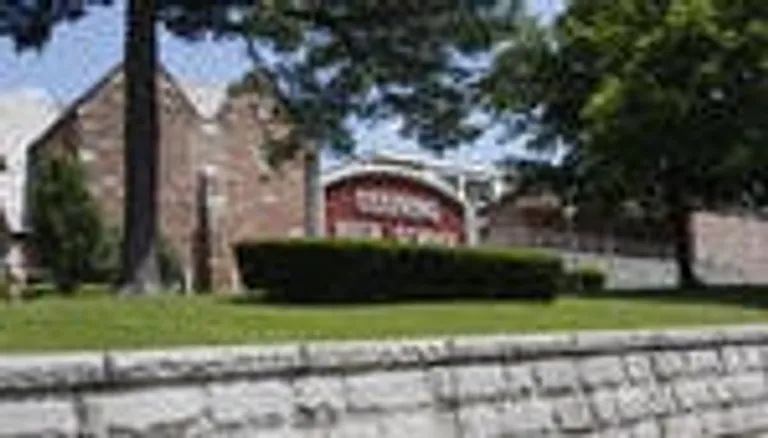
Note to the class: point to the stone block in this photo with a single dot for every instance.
(645, 429)
(720, 423)
(480, 420)
(753, 417)
(639, 369)
(357, 426)
(635, 403)
(688, 426)
(573, 415)
(422, 423)
(742, 420)
(704, 362)
(481, 382)
(520, 381)
(614, 432)
(388, 391)
(283, 432)
(694, 394)
(747, 387)
(527, 418)
(263, 404)
(738, 359)
(203, 363)
(511, 348)
(144, 411)
(606, 408)
(495, 348)
(662, 399)
(721, 391)
(318, 391)
(600, 372)
(556, 376)
(372, 354)
(443, 385)
(320, 400)
(669, 364)
(38, 418)
(50, 371)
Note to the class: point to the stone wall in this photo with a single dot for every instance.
(640, 384)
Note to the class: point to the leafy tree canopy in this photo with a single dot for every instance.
(673, 87)
(663, 100)
(333, 60)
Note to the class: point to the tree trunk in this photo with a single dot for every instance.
(141, 160)
(679, 219)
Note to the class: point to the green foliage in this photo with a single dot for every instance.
(585, 279)
(336, 59)
(366, 271)
(661, 93)
(373, 61)
(67, 233)
(659, 102)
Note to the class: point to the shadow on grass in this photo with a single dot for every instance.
(268, 300)
(755, 297)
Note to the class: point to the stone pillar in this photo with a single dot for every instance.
(470, 216)
(462, 187)
(314, 195)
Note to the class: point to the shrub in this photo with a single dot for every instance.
(67, 232)
(585, 279)
(365, 271)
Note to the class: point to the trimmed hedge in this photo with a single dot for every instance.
(585, 279)
(339, 270)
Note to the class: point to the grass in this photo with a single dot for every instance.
(49, 324)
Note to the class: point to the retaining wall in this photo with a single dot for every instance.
(641, 384)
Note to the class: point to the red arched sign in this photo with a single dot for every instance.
(386, 203)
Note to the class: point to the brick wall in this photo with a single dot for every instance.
(260, 201)
(733, 241)
(248, 200)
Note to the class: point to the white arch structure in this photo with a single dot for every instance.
(357, 170)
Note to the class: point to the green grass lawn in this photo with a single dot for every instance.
(104, 322)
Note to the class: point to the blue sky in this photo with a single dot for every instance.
(81, 52)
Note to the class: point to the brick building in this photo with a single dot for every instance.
(215, 186)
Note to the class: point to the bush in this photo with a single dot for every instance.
(585, 279)
(66, 228)
(374, 271)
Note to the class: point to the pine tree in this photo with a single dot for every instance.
(67, 234)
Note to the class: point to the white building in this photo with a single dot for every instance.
(24, 115)
(477, 184)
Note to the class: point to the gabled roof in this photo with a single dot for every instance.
(205, 101)
(28, 117)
